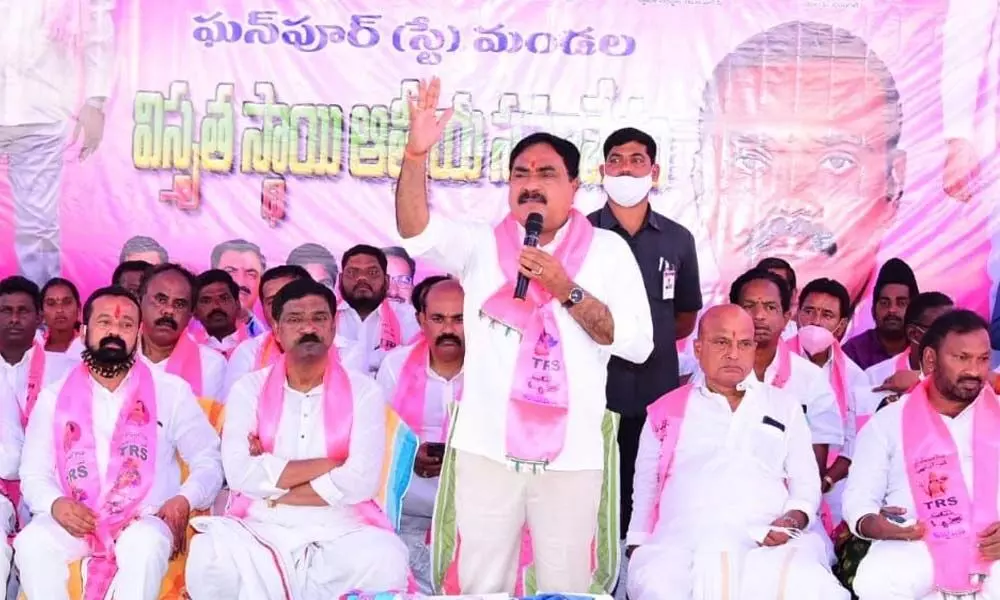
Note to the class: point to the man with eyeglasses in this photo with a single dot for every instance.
(366, 320)
(401, 270)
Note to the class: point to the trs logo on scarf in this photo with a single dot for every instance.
(937, 485)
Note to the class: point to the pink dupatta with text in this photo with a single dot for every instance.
(665, 416)
(117, 498)
(953, 514)
(185, 362)
(539, 397)
(410, 397)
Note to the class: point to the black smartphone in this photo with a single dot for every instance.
(435, 450)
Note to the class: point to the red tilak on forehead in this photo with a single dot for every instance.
(118, 311)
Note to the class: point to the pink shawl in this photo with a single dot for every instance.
(185, 362)
(410, 397)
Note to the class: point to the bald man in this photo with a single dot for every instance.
(712, 514)
(422, 381)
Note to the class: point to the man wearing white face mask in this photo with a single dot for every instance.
(666, 256)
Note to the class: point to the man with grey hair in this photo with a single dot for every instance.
(799, 154)
(144, 248)
(245, 262)
(318, 261)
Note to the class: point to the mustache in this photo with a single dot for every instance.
(975, 380)
(447, 337)
(794, 226)
(245, 290)
(217, 312)
(111, 340)
(168, 321)
(531, 196)
(309, 337)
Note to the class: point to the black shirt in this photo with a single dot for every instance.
(660, 247)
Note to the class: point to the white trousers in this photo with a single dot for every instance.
(492, 504)
(895, 570)
(44, 550)
(674, 570)
(35, 170)
(413, 531)
(366, 559)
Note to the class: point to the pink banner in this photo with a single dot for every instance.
(818, 131)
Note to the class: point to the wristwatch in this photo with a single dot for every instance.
(576, 296)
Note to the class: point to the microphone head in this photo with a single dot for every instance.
(533, 224)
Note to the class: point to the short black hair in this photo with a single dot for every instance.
(237, 245)
(566, 150)
(312, 253)
(281, 272)
(775, 263)
(960, 321)
(922, 303)
(15, 284)
(758, 275)
(59, 281)
(830, 287)
(115, 291)
(129, 266)
(630, 134)
(365, 250)
(400, 252)
(151, 274)
(418, 296)
(216, 276)
(142, 243)
(301, 288)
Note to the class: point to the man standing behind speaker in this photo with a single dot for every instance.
(668, 261)
(528, 439)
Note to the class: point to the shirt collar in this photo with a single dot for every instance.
(607, 220)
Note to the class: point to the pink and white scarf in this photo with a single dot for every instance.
(11, 488)
(784, 368)
(410, 398)
(201, 336)
(933, 469)
(390, 333)
(185, 362)
(268, 352)
(131, 470)
(665, 416)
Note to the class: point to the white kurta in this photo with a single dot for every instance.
(364, 337)
(726, 485)
(57, 364)
(877, 374)
(327, 550)
(213, 371)
(894, 569)
(243, 360)
(224, 345)
(11, 440)
(43, 550)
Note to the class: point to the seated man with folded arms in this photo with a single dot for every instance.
(100, 469)
(923, 484)
(726, 484)
(302, 448)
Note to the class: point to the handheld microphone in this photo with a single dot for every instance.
(532, 229)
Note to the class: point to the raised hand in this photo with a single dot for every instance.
(425, 125)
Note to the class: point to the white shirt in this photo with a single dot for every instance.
(878, 474)
(183, 427)
(243, 360)
(857, 388)
(364, 338)
(224, 345)
(439, 394)
(877, 374)
(301, 435)
(729, 469)
(609, 273)
(11, 434)
(213, 371)
(39, 78)
(57, 364)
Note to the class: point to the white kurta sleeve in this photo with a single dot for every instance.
(39, 481)
(644, 487)
(869, 480)
(357, 479)
(11, 434)
(213, 373)
(628, 303)
(800, 467)
(387, 377)
(255, 476)
(198, 444)
(448, 244)
(822, 412)
(851, 427)
(966, 35)
(99, 48)
(240, 363)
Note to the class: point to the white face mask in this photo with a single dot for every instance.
(628, 191)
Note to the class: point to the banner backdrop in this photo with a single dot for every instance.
(817, 131)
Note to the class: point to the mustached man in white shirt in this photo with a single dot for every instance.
(549, 353)
(421, 382)
(216, 310)
(923, 485)
(71, 455)
(167, 295)
(302, 449)
(50, 49)
(368, 321)
(726, 484)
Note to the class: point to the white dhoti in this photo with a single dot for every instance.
(44, 550)
(675, 570)
(414, 531)
(894, 570)
(279, 554)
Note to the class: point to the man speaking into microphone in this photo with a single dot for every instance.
(528, 444)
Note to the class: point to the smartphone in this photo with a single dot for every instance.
(435, 450)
